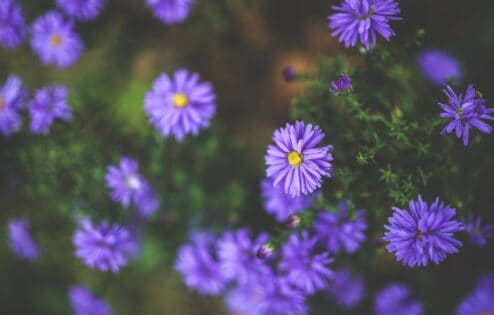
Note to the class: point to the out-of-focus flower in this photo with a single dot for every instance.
(478, 233)
(171, 11)
(397, 299)
(289, 74)
(84, 302)
(346, 289)
(481, 301)
(81, 9)
(341, 85)
(439, 67)
(12, 26)
(21, 241)
(11, 98)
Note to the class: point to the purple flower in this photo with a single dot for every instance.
(180, 105)
(243, 300)
(341, 231)
(12, 26)
(423, 233)
(104, 247)
(171, 11)
(362, 20)
(341, 85)
(275, 296)
(478, 233)
(128, 186)
(289, 74)
(54, 40)
(11, 98)
(279, 204)
(197, 263)
(396, 299)
(439, 67)
(84, 302)
(295, 162)
(481, 301)
(346, 289)
(49, 104)
(81, 9)
(21, 242)
(305, 268)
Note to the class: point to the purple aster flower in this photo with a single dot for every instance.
(341, 85)
(49, 103)
(423, 233)
(171, 11)
(104, 247)
(180, 105)
(11, 98)
(346, 289)
(295, 162)
(55, 41)
(279, 204)
(289, 74)
(128, 186)
(341, 230)
(81, 9)
(243, 300)
(478, 233)
(12, 26)
(304, 266)
(481, 301)
(197, 263)
(21, 242)
(439, 67)
(397, 299)
(464, 113)
(275, 296)
(362, 20)
(84, 302)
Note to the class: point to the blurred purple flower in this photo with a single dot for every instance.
(21, 242)
(289, 74)
(397, 299)
(346, 289)
(277, 297)
(180, 105)
(54, 40)
(478, 233)
(423, 233)
(81, 9)
(11, 97)
(171, 11)
(481, 301)
(104, 247)
(84, 302)
(341, 85)
(12, 26)
(362, 20)
(439, 67)
(243, 300)
(295, 162)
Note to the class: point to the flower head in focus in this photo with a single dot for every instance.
(341, 85)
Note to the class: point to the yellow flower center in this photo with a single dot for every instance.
(180, 100)
(2, 103)
(295, 158)
(56, 40)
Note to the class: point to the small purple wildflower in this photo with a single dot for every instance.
(54, 40)
(12, 26)
(21, 242)
(397, 299)
(289, 74)
(464, 113)
(478, 233)
(295, 162)
(340, 231)
(49, 103)
(305, 267)
(341, 85)
(171, 11)
(82, 9)
(104, 247)
(84, 302)
(423, 233)
(439, 67)
(180, 105)
(243, 300)
(362, 20)
(279, 204)
(11, 97)
(346, 289)
(128, 186)
(197, 263)
(275, 296)
(481, 301)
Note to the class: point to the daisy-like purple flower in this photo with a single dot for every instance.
(439, 67)
(295, 162)
(422, 234)
(54, 40)
(464, 113)
(362, 20)
(243, 300)
(341, 230)
(128, 186)
(81, 9)
(397, 299)
(49, 103)
(180, 105)
(104, 247)
(84, 302)
(21, 241)
(481, 301)
(279, 204)
(12, 26)
(341, 85)
(171, 11)
(478, 234)
(305, 267)
(197, 263)
(11, 97)
(346, 289)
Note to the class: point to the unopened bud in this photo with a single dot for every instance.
(265, 251)
(292, 222)
(289, 74)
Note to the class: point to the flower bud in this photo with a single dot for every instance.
(265, 251)
(292, 222)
